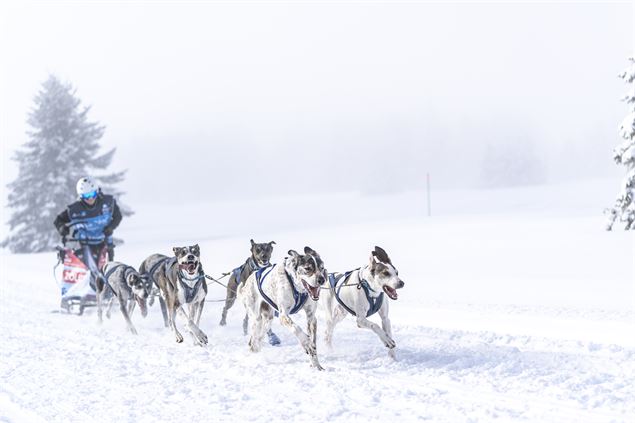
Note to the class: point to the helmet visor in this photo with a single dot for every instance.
(89, 195)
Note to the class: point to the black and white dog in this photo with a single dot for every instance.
(286, 289)
(181, 281)
(127, 286)
(260, 257)
(361, 293)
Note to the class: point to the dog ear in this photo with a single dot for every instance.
(252, 242)
(309, 250)
(272, 242)
(372, 262)
(381, 255)
(293, 253)
(130, 279)
(176, 250)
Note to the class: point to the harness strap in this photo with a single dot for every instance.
(155, 267)
(112, 270)
(190, 292)
(253, 266)
(299, 298)
(374, 302)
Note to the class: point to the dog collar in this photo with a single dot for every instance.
(184, 275)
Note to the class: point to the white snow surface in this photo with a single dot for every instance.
(519, 312)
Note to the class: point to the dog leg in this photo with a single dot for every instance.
(164, 312)
(109, 306)
(172, 320)
(255, 334)
(363, 322)
(124, 310)
(245, 324)
(131, 306)
(385, 325)
(196, 332)
(312, 330)
(232, 287)
(199, 312)
(302, 337)
(332, 319)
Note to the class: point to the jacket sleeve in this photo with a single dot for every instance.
(116, 219)
(61, 221)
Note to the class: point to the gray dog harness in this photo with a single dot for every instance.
(374, 302)
(189, 292)
(299, 298)
(252, 267)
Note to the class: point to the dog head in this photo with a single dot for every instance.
(188, 258)
(141, 287)
(384, 274)
(309, 269)
(261, 252)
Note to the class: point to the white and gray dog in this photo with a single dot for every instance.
(361, 293)
(181, 281)
(125, 284)
(286, 289)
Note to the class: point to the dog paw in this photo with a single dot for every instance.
(389, 343)
(133, 330)
(392, 354)
(318, 367)
(222, 322)
(179, 337)
(202, 338)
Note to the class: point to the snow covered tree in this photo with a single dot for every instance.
(624, 154)
(62, 146)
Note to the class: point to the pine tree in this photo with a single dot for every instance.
(62, 146)
(624, 154)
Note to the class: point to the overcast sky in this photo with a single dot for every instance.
(218, 99)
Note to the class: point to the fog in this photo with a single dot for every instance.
(218, 100)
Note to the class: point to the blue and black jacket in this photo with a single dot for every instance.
(90, 224)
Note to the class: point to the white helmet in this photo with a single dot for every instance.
(86, 186)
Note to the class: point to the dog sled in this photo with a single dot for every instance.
(76, 281)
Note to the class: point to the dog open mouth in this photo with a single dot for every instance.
(391, 292)
(314, 291)
(191, 266)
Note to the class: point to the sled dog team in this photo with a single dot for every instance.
(265, 289)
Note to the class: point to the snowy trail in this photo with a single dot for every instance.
(66, 368)
(522, 318)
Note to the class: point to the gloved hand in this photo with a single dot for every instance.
(80, 235)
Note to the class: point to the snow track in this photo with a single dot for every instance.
(66, 368)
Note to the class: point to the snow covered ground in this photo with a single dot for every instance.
(522, 311)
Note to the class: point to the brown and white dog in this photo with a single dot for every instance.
(181, 281)
(361, 293)
(287, 288)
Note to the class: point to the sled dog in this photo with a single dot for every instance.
(181, 281)
(285, 289)
(360, 293)
(127, 286)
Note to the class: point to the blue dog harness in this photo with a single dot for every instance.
(252, 266)
(299, 298)
(190, 292)
(374, 302)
